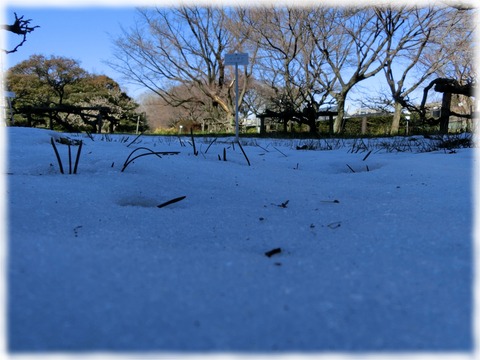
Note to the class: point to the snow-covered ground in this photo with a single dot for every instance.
(304, 251)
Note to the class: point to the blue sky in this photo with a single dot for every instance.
(84, 34)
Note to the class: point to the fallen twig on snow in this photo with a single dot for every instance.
(273, 252)
(169, 202)
(261, 147)
(335, 225)
(350, 168)
(282, 205)
(280, 151)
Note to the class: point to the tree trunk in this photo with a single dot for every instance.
(50, 120)
(338, 124)
(312, 127)
(445, 113)
(396, 119)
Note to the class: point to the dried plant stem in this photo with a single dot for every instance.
(195, 152)
(279, 151)
(57, 155)
(151, 152)
(69, 159)
(135, 139)
(241, 148)
(366, 156)
(208, 147)
(350, 168)
(77, 157)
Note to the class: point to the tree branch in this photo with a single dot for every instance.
(19, 27)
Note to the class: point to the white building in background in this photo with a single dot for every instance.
(366, 111)
(250, 122)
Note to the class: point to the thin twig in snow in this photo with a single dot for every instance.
(241, 148)
(279, 151)
(169, 202)
(208, 147)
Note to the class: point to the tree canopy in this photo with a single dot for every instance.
(58, 90)
(177, 53)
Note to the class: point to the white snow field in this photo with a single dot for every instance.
(357, 249)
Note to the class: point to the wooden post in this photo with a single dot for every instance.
(236, 103)
(50, 119)
(364, 125)
(99, 122)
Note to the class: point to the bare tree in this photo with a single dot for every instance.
(287, 63)
(183, 46)
(161, 115)
(455, 73)
(410, 31)
(456, 38)
(279, 40)
(353, 46)
(20, 27)
(300, 57)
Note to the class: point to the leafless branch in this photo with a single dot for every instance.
(20, 27)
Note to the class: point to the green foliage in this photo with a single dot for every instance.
(42, 83)
(376, 125)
